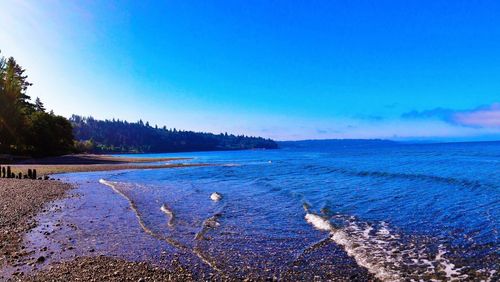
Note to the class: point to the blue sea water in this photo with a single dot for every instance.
(400, 211)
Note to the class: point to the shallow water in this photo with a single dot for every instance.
(429, 211)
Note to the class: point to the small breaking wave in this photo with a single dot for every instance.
(166, 210)
(452, 273)
(318, 222)
(133, 206)
(410, 176)
(209, 223)
(384, 254)
(231, 164)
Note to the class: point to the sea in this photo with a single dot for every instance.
(347, 210)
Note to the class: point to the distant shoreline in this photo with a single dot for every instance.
(91, 162)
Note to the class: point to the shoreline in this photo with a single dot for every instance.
(39, 263)
(91, 162)
(59, 169)
(81, 159)
(22, 200)
(94, 159)
(19, 214)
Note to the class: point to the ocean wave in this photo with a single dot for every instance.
(384, 254)
(138, 215)
(209, 223)
(231, 165)
(166, 210)
(411, 176)
(115, 187)
(452, 273)
(318, 222)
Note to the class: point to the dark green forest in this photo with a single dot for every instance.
(27, 128)
(113, 136)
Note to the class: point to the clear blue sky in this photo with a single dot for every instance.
(280, 69)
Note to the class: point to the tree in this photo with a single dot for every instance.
(26, 128)
(14, 105)
(50, 134)
(121, 136)
(39, 107)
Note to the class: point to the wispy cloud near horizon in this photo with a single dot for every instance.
(482, 117)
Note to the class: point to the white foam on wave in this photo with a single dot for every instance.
(318, 222)
(353, 248)
(114, 186)
(452, 273)
(363, 258)
(209, 223)
(490, 274)
(169, 213)
(382, 252)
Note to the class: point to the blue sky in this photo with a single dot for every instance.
(280, 69)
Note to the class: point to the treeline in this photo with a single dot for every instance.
(114, 136)
(25, 127)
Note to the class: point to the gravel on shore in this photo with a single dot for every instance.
(109, 269)
(20, 201)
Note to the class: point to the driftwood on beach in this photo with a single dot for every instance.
(7, 173)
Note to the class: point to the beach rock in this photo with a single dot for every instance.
(41, 259)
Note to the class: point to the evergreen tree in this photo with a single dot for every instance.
(121, 136)
(14, 105)
(26, 128)
(39, 107)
